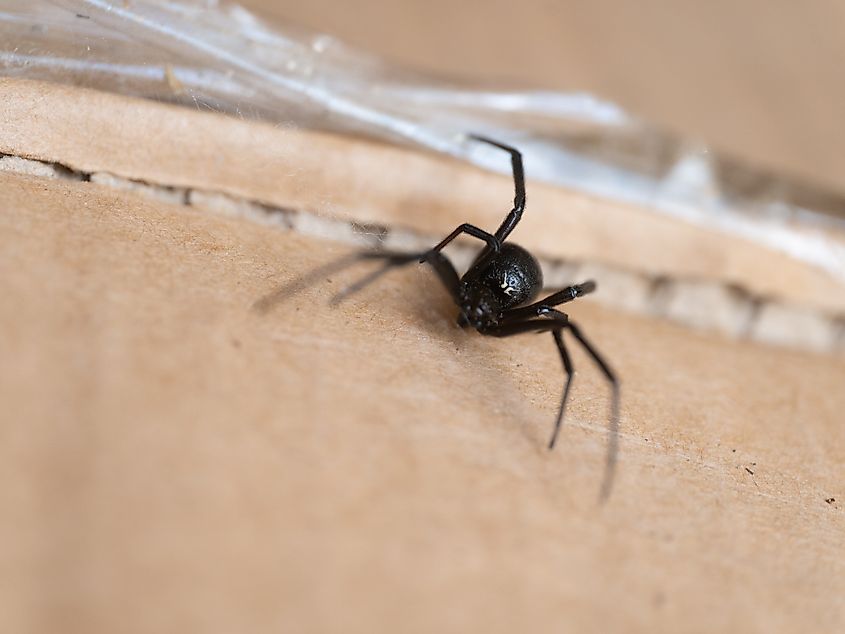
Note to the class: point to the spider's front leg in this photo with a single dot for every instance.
(515, 215)
(494, 241)
(613, 441)
(545, 306)
(556, 322)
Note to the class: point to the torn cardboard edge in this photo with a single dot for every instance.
(376, 184)
(700, 304)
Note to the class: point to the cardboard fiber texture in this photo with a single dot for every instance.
(377, 184)
(174, 459)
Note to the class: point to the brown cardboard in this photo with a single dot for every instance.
(172, 459)
(372, 183)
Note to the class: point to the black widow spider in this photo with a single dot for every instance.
(492, 297)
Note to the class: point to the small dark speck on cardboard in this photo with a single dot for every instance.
(830, 500)
(749, 470)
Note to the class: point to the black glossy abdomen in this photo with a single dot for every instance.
(512, 275)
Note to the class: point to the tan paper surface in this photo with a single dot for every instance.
(173, 460)
(372, 183)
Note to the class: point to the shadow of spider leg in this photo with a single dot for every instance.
(440, 263)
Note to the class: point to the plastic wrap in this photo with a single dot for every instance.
(218, 56)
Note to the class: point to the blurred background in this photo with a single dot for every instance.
(758, 80)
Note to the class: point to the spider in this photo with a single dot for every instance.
(495, 297)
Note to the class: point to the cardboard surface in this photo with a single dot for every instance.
(372, 183)
(172, 459)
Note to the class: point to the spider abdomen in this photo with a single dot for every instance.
(513, 276)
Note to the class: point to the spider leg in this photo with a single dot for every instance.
(493, 243)
(544, 306)
(513, 218)
(613, 441)
(439, 262)
(556, 323)
(570, 371)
